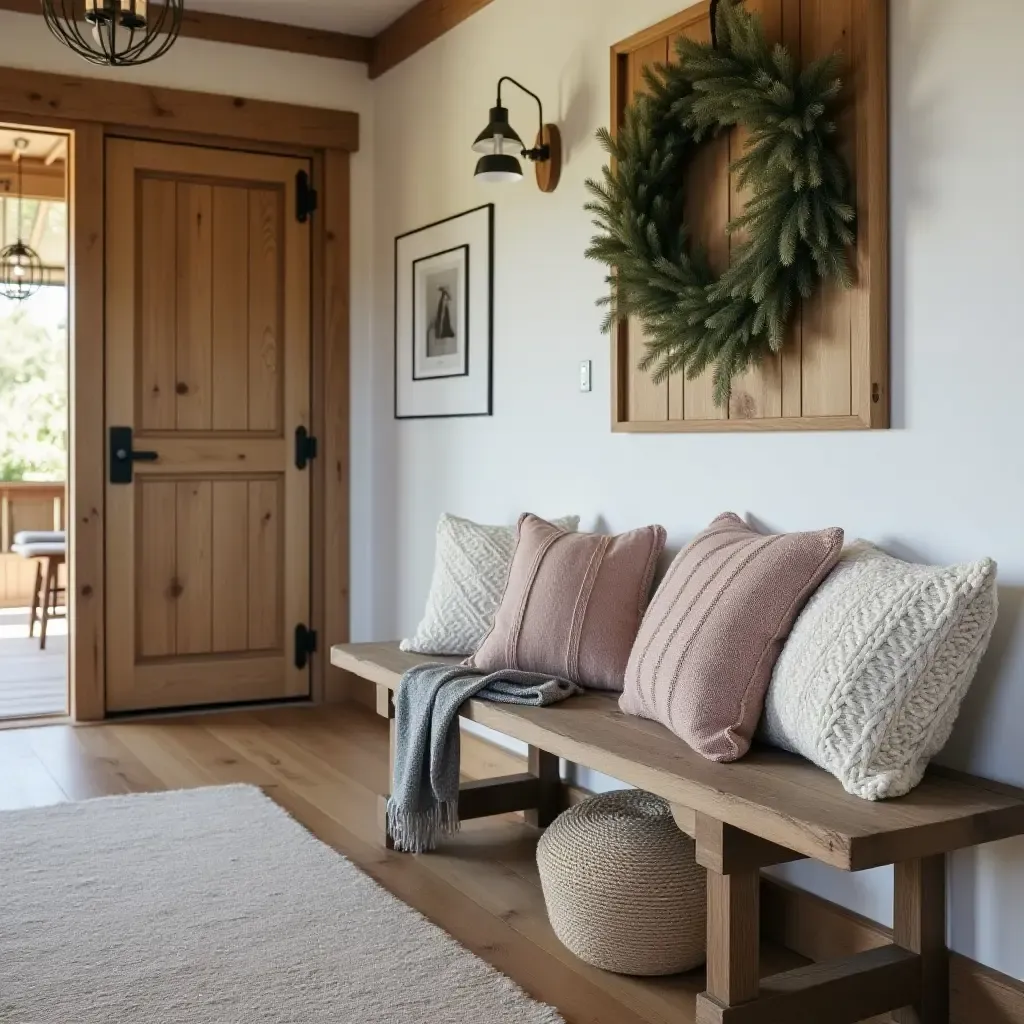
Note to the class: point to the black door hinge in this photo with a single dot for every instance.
(306, 198)
(305, 645)
(305, 448)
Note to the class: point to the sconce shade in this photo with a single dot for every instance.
(498, 128)
(499, 168)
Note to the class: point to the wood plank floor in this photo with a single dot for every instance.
(33, 683)
(325, 766)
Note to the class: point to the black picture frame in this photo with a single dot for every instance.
(464, 372)
(482, 355)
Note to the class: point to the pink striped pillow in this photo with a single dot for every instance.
(572, 604)
(703, 658)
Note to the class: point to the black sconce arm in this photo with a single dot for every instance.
(542, 152)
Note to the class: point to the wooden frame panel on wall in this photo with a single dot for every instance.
(328, 138)
(833, 373)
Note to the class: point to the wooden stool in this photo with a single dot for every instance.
(50, 554)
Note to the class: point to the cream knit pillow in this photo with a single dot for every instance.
(871, 679)
(471, 564)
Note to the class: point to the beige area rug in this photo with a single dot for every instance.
(213, 906)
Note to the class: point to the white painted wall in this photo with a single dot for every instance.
(946, 484)
(193, 64)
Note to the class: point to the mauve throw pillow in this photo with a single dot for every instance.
(572, 604)
(710, 639)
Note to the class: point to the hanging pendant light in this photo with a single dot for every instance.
(115, 33)
(21, 269)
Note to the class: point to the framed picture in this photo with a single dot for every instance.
(443, 318)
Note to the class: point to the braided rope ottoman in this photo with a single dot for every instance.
(622, 887)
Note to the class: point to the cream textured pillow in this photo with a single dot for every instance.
(704, 655)
(870, 682)
(471, 564)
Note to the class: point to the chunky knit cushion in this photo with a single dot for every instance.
(705, 653)
(573, 603)
(872, 677)
(470, 568)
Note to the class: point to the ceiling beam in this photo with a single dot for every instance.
(417, 28)
(38, 180)
(222, 28)
(56, 97)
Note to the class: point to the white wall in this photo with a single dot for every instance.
(946, 484)
(193, 64)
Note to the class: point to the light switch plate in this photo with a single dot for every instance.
(586, 384)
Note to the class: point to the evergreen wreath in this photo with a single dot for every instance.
(798, 222)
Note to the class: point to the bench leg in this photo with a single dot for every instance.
(33, 614)
(919, 925)
(734, 938)
(545, 767)
(856, 988)
(386, 709)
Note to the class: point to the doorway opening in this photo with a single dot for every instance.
(33, 425)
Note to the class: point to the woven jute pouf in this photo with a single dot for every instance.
(622, 887)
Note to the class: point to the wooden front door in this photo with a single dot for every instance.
(208, 362)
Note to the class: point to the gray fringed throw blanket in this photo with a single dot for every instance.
(424, 803)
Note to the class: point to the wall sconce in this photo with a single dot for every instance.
(502, 148)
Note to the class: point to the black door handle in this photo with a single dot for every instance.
(123, 456)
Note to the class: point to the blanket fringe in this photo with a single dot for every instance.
(421, 831)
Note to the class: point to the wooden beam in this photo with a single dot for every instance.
(729, 851)
(267, 35)
(484, 798)
(96, 100)
(734, 939)
(546, 769)
(38, 180)
(85, 516)
(427, 21)
(919, 925)
(58, 151)
(841, 992)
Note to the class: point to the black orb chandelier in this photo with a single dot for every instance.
(21, 269)
(115, 33)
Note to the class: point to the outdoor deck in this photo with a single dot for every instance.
(32, 682)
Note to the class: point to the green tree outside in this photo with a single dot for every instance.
(33, 387)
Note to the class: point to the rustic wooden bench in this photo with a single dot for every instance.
(769, 808)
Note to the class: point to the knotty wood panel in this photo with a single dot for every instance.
(264, 310)
(230, 308)
(265, 565)
(230, 565)
(194, 376)
(833, 372)
(211, 567)
(158, 306)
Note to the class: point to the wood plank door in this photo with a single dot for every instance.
(208, 362)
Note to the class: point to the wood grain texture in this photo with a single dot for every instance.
(193, 259)
(99, 101)
(265, 311)
(417, 28)
(229, 314)
(779, 797)
(334, 398)
(648, 401)
(820, 930)
(727, 850)
(223, 28)
(919, 925)
(832, 374)
(734, 938)
(213, 575)
(841, 992)
(326, 767)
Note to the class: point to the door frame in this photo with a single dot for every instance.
(327, 138)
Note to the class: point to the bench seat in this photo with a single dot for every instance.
(769, 808)
(776, 795)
